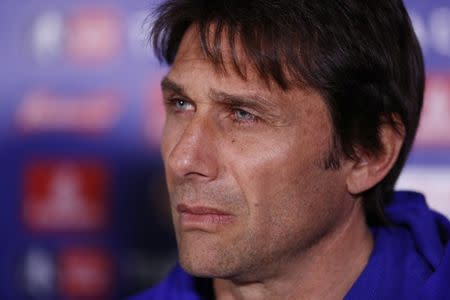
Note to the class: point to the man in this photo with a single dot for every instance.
(288, 123)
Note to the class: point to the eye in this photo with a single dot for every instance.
(243, 116)
(180, 105)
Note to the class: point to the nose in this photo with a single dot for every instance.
(194, 152)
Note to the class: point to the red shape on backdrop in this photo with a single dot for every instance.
(434, 129)
(65, 196)
(85, 273)
(93, 35)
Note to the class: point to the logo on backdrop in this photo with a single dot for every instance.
(85, 272)
(38, 273)
(95, 112)
(89, 35)
(435, 123)
(93, 35)
(65, 197)
(47, 34)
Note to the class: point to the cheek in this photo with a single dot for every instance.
(285, 190)
(270, 170)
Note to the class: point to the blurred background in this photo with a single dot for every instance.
(82, 193)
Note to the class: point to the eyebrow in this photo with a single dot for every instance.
(251, 101)
(171, 86)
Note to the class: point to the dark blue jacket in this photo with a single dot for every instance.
(410, 260)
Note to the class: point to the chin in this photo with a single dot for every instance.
(206, 263)
(200, 267)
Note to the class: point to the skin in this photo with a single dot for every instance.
(296, 229)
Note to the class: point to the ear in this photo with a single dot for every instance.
(370, 169)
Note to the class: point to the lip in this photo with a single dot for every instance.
(202, 217)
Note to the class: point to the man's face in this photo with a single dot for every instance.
(245, 169)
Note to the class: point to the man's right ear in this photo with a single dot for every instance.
(370, 168)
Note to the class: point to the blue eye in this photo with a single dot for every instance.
(243, 116)
(182, 105)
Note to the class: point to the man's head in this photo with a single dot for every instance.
(279, 115)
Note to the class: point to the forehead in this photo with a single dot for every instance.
(192, 65)
(224, 61)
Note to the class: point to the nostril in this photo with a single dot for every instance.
(192, 174)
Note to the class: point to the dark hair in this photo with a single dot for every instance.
(362, 56)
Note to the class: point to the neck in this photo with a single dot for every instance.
(327, 270)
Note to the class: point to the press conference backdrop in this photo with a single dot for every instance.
(83, 209)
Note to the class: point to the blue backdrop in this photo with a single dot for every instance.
(83, 210)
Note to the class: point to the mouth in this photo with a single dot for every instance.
(202, 217)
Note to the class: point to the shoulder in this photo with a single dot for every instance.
(411, 256)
